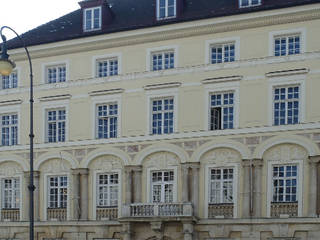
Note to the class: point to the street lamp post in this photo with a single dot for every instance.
(6, 67)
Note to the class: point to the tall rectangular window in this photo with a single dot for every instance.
(56, 74)
(9, 129)
(56, 125)
(166, 9)
(222, 111)
(10, 193)
(162, 186)
(286, 105)
(249, 3)
(162, 116)
(287, 45)
(162, 60)
(108, 190)
(224, 52)
(221, 185)
(92, 19)
(107, 67)
(58, 192)
(10, 81)
(284, 182)
(107, 120)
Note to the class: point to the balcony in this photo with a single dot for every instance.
(224, 210)
(107, 213)
(165, 210)
(12, 214)
(284, 208)
(57, 214)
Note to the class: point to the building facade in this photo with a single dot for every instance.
(166, 120)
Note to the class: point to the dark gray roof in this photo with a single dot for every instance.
(135, 14)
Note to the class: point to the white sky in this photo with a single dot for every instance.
(24, 15)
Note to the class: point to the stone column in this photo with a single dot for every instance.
(313, 185)
(185, 183)
(84, 172)
(36, 196)
(246, 189)
(128, 184)
(187, 231)
(137, 184)
(75, 200)
(195, 188)
(257, 186)
(126, 231)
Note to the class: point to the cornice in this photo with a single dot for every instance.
(287, 72)
(175, 31)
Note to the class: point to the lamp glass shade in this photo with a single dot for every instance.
(6, 67)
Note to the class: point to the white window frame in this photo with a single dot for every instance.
(46, 192)
(9, 110)
(287, 81)
(96, 59)
(100, 100)
(56, 121)
(17, 72)
(300, 179)
(57, 187)
(207, 174)
(149, 182)
(220, 88)
(94, 189)
(108, 117)
(9, 127)
(160, 94)
(288, 32)
(250, 4)
(220, 41)
(151, 51)
(166, 8)
(92, 19)
(48, 106)
(45, 67)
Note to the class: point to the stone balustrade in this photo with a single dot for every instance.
(224, 210)
(107, 213)
(157, 210)
(10, 214)
(284, 208)
(59, 214)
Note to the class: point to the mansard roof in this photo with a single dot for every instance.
(136, 14)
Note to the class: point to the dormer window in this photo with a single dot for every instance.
(166, 9)
(92, 19)
(249, 3)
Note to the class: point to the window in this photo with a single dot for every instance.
(162, 60)
(162, 116)
(10, 193)
(92, 19)
(221, 111)
(162, 186)
(222, 53)
(286, 105)
(287, 45)
(221, 185)
(10, 81)
(9, 129)
(58, 192)
(284, 185)
(166, 9)
(56, 125)
(107, 120)
(249, 3)
(107, 67)
(107, 189)
(56, 74)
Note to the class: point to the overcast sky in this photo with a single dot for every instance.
(24, 15)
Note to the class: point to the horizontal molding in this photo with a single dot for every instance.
(106, 92)
(10, 102)
(162, 85)
(287, 72)
(221, 79)
(54, 98)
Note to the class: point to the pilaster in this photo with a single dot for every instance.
(314, 181)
